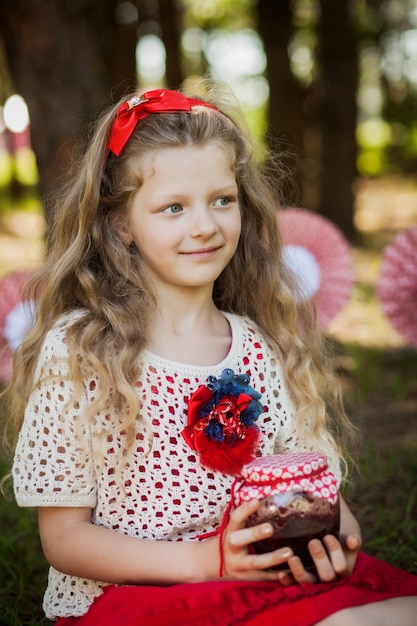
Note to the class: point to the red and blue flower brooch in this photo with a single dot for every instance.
(221, 422)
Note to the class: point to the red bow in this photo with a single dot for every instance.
(137, 108)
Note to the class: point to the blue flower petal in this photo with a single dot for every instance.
(251, 413)
(231, 384)
(214, 430)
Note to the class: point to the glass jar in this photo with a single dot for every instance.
(299, 497)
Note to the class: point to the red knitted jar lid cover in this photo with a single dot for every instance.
(284, 467)
(301, 471)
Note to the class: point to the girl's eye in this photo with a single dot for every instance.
(223, 201)
(173, 208)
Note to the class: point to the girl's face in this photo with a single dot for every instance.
(185, 218)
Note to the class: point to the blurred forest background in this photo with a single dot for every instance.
(332, 84)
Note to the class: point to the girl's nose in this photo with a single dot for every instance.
(203, 223)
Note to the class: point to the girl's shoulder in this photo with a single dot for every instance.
(244, 327)
(65, 321)
(54, 344)
(250, 343)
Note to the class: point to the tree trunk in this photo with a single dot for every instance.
(286, 117)
(171, 27)
(60, 60)
(337, 83)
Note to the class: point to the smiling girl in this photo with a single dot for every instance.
(165, 275)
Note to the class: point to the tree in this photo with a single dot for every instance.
(163, 19)
(170, 15)
(285, 111)
(320, 121)
(337, 61)
(65, 58)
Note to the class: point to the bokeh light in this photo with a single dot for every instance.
(15, 113)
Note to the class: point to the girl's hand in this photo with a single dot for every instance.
(333, 559)
(238, 561)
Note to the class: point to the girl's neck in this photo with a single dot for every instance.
(192, 332)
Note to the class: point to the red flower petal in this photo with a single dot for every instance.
(228, 457)
(197, 400)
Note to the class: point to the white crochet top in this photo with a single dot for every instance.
(167, 494)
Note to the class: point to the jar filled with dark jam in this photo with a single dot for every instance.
(299, 497)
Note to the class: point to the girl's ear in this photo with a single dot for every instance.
(119, 224)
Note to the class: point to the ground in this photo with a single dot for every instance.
(386, 403)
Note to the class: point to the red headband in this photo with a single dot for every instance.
(137, 108)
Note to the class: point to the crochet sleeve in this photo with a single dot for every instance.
(53, 458)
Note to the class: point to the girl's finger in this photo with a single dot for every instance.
(246, 536)
(268, 560)
(240, 514)
(285, 578)
(336, 555)
(299, 573)
(322, 561)
(352, 542)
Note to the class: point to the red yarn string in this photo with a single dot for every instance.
(224, 523)
(220, 530)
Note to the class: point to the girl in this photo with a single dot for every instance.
(165, 275)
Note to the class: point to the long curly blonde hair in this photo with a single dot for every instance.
(89, 267)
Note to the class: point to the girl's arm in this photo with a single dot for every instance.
(74, 545)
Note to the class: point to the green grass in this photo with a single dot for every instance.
(382, 398)
(387, 373)
(385, 503)
(23, 569)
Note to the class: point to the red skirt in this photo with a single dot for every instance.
(229, 603)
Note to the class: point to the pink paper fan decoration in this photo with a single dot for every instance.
(397, 284)
(14, 318)
(320, 257)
